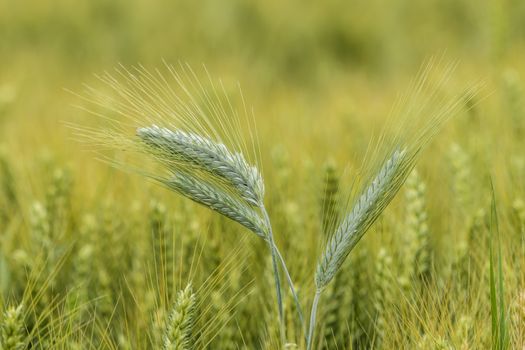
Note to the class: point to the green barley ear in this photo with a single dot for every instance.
(12, 329)
(369, 206)
(194, 142)
(416, 120)
(197, 143)
(177, 147)
(57, 200)
(205, 193)
(329, 199)
(359, 289)
(228, 186)
(462, 177)
(335, 313)
(177, 335)
(417, 255)
(162, 245)
(382, 293)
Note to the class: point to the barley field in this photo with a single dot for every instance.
(262, 175)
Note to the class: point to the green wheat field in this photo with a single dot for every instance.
(262, 175)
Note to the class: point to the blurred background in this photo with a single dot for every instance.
(321, 77)
(307, 55)
(303, 66)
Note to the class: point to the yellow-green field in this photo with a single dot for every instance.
(92, 257)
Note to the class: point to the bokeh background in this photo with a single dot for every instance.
(307, 56)
(309, 70)
(321, 77)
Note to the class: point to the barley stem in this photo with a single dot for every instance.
(313, 315)
(275, 272)
(292, 288)
(277, 254)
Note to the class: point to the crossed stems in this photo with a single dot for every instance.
(276, 254)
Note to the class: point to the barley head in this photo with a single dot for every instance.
(177, 335)
(12, 329)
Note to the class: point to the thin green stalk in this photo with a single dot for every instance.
(292, 288)
(313, 315)
(275, 272)
(277, 253)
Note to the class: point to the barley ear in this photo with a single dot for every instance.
(329, 198)
(12, 329)
(382, 292)
(417, 243)
(184, 149)
(177, 335)
(370, 204)
(209, 174)
(205, 193)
